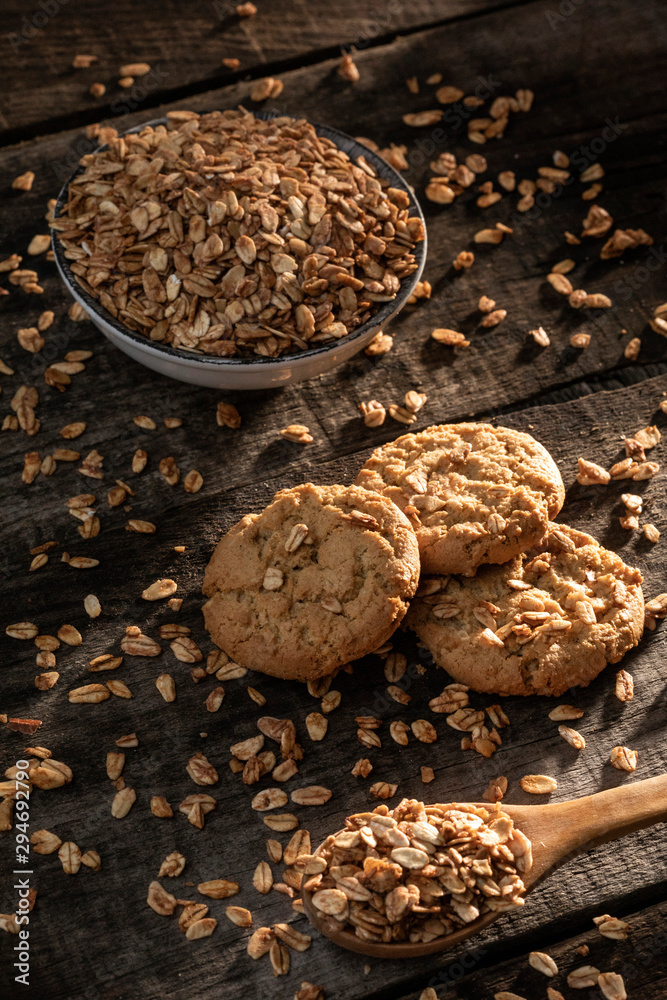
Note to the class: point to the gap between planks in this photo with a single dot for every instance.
(89, 116)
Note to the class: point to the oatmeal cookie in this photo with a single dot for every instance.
(321, 576)
(546, 621)
(474, 493)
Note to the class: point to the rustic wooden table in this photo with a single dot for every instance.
(597, 70)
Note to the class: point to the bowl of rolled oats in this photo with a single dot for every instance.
(238, 250)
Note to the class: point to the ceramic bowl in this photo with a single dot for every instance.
(253, 372)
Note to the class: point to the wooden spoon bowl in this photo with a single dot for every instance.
(557, 832)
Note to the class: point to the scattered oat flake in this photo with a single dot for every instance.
(317, 725)
(540, 336)
(488, 236)
(92, 606)
(464, 260)
(159, 590)
(45, 842)
(262, 879)
(496, 789)
(648, 437)
(420, 119)
(543, 963)
(494, 318)
(362, 768)
(414, 400)
(625, 687)
(381, 344)
(239, 916)
(218, 888)
(347, 68)
(373, 413)
(401, 414)
(146, 423)
(170, 470)
(39, 244)
(160, 900)
(623, 759)
(572, 737)
(186, 650)
(281, 822)
(439, 192)
(228, 416)
(193, 482)
(140, 527)
(70, 857)
(562, 713)
(298, 433)
(122, 802)
(612, 927)
(538, 784)
(160, 807)
(424, 731)
(265, 88)
(612, 986)
(83, 61)
(24, 181)
(70, 635)
(383, 790)
(89, 694)
(451, 338)
(201, 928)
(591, 474)
(312, 795)
(583, 977)
(135, 69)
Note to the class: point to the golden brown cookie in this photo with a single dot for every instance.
(474, 493)
(548, 620)
(321, 576)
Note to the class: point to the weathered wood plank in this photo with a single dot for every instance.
(614, 878)
(502, 366)
(132, 948)
(641, 961)
(184, 46)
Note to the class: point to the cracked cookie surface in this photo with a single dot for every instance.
(546, 621)
(321, 576)
(474, 493)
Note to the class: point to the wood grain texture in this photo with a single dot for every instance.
(502, 366)
(184, 44)
(93, 935)
(615, 877)
(641, 960)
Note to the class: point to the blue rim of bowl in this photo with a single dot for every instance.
(386, 312)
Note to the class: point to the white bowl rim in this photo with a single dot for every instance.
(196, 359)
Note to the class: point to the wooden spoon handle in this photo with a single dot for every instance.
(594, 819)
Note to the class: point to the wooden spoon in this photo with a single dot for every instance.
(557, 832)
